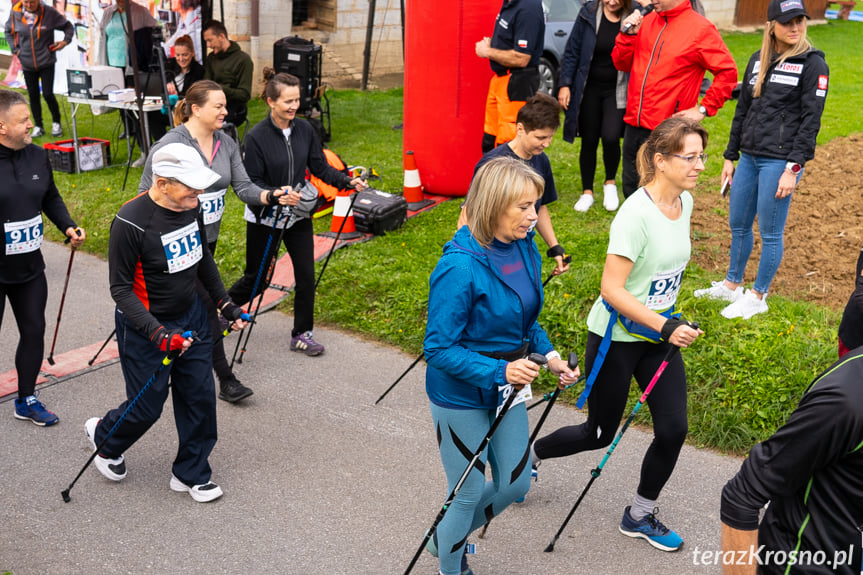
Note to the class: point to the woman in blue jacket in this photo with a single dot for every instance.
(485, 295)
(593, 93)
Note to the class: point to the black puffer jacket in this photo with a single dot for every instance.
(784, 122)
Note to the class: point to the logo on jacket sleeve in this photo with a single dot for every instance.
(822, 86)
(522, 44)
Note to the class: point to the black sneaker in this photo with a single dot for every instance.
(233, 391)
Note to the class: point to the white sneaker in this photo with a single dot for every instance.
(609, 197)
(200, 493)
(584, 202)
(37, 132)
(745, 307)
(718, 290)
(113, 469)
(56, 129)
(139, 163)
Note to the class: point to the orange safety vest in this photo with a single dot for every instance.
(326, 190)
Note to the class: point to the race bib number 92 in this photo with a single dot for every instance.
(23, 237)
(664, 287)
(183, 248)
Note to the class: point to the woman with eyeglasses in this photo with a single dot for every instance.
(773, 134)
(635, 322)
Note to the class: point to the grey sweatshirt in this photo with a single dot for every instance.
(226, 162)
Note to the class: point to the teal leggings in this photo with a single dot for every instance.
(459, 433)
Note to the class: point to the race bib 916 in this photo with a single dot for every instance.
(23, 237)
(213, 206)
(183, 248)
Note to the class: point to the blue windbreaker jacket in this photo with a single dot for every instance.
(472, 310)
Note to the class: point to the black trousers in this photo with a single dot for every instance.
(633, 137)
(599, 119)
(667, 404)
(300, 243)
(28, 301)
(31, 79)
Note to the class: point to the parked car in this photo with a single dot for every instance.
(559, 18)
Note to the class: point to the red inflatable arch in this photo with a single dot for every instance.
(445, 89)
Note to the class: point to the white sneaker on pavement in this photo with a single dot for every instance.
(113, 469)
(201, 493)
(746, 307)
(609, 197)
(718, 290)
(584, 202)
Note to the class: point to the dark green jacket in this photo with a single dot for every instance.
(232, 69)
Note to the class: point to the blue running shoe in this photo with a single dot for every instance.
(651, 529)
(31, 409)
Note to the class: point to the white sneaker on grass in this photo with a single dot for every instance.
(584, 202)
(746, 307)
(201, 493)
(609, 197)
(718, 290)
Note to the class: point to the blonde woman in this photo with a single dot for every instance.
(773, 134)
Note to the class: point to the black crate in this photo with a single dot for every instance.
(61, 155)
(301, 58)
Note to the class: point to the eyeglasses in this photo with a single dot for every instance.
(693, 158)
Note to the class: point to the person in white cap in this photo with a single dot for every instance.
(157, 251)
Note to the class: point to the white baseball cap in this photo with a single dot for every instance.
(183, 163)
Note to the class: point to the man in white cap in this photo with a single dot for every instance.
(157, 251)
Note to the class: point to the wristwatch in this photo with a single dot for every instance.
(703, 110)
(793, 167)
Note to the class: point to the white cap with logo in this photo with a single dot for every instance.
(184, 164)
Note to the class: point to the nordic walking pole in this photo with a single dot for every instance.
(260, 271)
(93, 359)
(536, 358)
(63, 298)
(336, 240)
(166, 361)
(596, 472)
(566, 260)
(572, 361)
(410, 367)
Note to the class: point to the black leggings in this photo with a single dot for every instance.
(31, 79)
(599, 118)
(300, 243)
(667, 404)
(220, 361)
(633, 137)
(28, 304)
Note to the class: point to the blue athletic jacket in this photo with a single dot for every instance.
(472, 310)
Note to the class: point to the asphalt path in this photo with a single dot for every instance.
(317, 478)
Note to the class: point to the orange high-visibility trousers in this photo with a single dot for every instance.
(500, 111)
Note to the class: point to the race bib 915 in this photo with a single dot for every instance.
(23, 237)
(183, 248)
(213, 206)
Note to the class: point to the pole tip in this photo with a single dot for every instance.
(550, 548)
(51, 360)
(65, 494)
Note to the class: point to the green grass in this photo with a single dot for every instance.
(744, 377)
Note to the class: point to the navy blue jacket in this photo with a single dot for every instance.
(575, 66)
(471, 310)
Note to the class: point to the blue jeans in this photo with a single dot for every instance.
(754, 192)
(459, 433)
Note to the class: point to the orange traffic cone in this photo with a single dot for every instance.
(343, 226)
(413, 188)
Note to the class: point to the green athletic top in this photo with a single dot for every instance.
(659, 248)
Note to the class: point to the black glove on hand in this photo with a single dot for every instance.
(271, 197)
(555, 251)
(168, 340)
(231, 311)
(670, 325)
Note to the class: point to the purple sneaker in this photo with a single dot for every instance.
(306, 344)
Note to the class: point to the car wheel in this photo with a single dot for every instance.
(547, 76)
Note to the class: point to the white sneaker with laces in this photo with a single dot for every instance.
(609, 197)
(56, 129)
(200, 493)
(37, 132)
(113, 469)
(584, 202)
(718, 290)
(746, 307)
